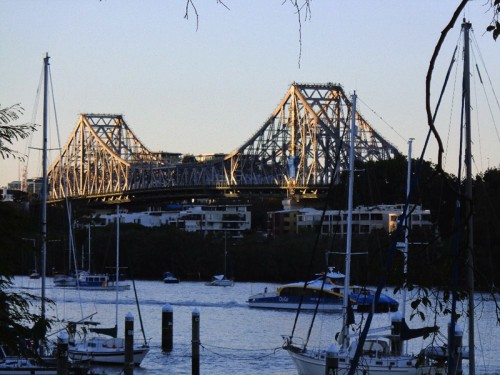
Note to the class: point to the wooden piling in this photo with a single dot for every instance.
(195, 343)
(62, 353)
(332, 360)
(167, 328)
(129, 345)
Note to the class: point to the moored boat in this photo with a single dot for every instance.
(101, 282)
(102, 345)
(169, 278)
(325, 293)
(379, 353)
(220, 280)
(20, 365)
(108, 350)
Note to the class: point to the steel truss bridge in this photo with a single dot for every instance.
(292, 154)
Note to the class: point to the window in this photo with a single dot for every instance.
(364, 229)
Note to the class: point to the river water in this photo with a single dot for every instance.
(235, 339)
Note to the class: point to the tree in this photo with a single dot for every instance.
(494, 26)
(12, 133)
(20, 329)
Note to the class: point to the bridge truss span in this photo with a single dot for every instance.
(293, 152)
(98, 158)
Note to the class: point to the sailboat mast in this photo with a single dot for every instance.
(225, 254)
(44, 180)
(468, 192)
(347, 280)
(89, 246)
(117, 260)
(407, 229)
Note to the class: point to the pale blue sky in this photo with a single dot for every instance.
(208, 90)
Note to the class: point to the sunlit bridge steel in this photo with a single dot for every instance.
(292, 153)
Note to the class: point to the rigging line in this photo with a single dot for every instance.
(487, 102)
(315, 246)
(474, 85)
(243, 349)
(72, 247)
(29, 141)
(380, 117)
(246, 358)
(54, 107)
(474, 42)
(392, 250)
(450, 118)
(323, 214)
(456, 241)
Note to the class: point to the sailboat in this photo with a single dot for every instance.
(35, 275)
(101, 281)
(43, 365)
(222, 280)
(104, 346)
(62, 280)
(380, 353)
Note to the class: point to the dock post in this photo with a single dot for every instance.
(195, 342)
(129, 345)
(62, 353)
(167, 328)
(332, 360)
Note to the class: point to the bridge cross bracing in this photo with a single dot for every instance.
(293, 152)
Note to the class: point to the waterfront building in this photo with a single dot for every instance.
(231, 219)
(365, 220)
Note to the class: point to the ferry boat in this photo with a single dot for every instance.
(324, 293)
(100, 282)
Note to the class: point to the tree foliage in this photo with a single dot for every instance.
(21, 326)
(494, 26)
(12, 133)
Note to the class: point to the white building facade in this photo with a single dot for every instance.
(233, 220)
(365, 219)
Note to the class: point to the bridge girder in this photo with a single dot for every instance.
(97, 159)
(295, 150)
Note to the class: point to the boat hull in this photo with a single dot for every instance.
(11, 367)
(116, 357)
(327, 304)
(314, 363)
(292, 303)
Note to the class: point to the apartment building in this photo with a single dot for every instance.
(365, 219)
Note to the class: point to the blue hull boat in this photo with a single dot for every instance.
(324, 293)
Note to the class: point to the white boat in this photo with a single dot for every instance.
(169, 278)
(220, 280)
(102, 345)
(381, 353)
(107, 350)
(325, 293)
(24, 366)
(64, 281)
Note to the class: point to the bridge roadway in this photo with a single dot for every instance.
(298, 150)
